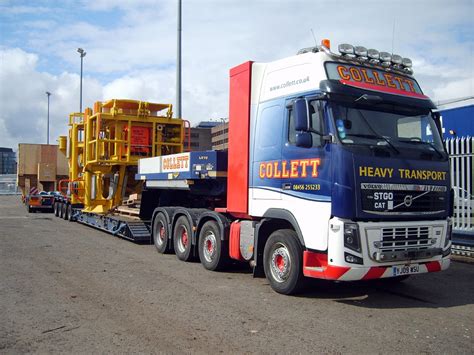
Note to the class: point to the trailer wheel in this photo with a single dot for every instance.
(182, 238)
(61, 209)
(64, 211)
(283, 262)
(160, 234)
(56, 208)
(69, 213)
(212, 251)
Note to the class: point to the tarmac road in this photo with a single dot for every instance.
(67, 288)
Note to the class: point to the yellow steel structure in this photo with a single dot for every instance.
(106, 144)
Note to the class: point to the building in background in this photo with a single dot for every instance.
(458, 122)
(201, 136)
(220, 136)
(7, 161)
(457, 117)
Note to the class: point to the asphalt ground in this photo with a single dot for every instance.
(67, 288)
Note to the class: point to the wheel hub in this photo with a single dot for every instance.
(280, 263)
(209, 247)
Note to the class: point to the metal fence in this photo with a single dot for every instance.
(461, 156)
(8, 185)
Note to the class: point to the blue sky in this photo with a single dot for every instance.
(131, 50)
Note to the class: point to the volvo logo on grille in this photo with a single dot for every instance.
(408, 200)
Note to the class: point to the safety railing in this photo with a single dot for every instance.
(461, 156)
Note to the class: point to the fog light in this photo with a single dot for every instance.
(352, 259)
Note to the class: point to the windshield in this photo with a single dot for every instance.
(396, 130)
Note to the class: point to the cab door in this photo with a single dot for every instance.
(312, 179)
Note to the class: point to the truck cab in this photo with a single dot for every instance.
(347, 149)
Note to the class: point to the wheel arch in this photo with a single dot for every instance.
(274, 219)
(222, 221)
(168, 213)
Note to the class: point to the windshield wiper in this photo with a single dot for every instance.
(410, 141)
(376, 134)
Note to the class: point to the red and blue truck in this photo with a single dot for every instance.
(335, 170)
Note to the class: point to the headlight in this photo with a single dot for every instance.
(351, 236)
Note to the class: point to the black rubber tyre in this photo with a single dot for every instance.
(69, 213)
(64, 211)
(182, 239)
(61, 210)
(213, 252)
(29, 209)
(161, 234)
(283, 262)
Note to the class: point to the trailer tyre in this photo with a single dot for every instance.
(182, 239)
(160, 234)
(212, 250)
(283, 262)
(64, 211)
(56, 208)
(69, 213)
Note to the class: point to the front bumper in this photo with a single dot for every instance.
(386, 250)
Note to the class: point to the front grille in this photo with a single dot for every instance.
(403, 238)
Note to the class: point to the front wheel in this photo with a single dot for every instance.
(182, 239)
(283, 262)
(212, 250)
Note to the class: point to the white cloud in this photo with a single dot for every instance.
(23, 117)
(131, 51)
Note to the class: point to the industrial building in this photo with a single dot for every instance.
(7, 161)
(220, 136)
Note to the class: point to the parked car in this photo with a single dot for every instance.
(41, 201)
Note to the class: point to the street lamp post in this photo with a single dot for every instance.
(82, 52)
(178, 64)
(47, 125)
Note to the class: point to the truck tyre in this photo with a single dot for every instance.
(283, 262)
(61, 210)
(64, 211)
(69, 213)
(160, 234)
(213, 252)
(182, 238)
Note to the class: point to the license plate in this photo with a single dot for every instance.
(405, 269)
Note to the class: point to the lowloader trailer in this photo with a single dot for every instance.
(335, 170)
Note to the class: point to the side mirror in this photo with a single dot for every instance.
(300, 110)
(304, 140)
(437, 119)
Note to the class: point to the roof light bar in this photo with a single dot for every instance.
(373, 54)
(360, 51)
(346, 49)
(406, 62)
(396, 59)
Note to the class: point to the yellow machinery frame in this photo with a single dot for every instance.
(106, 144)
